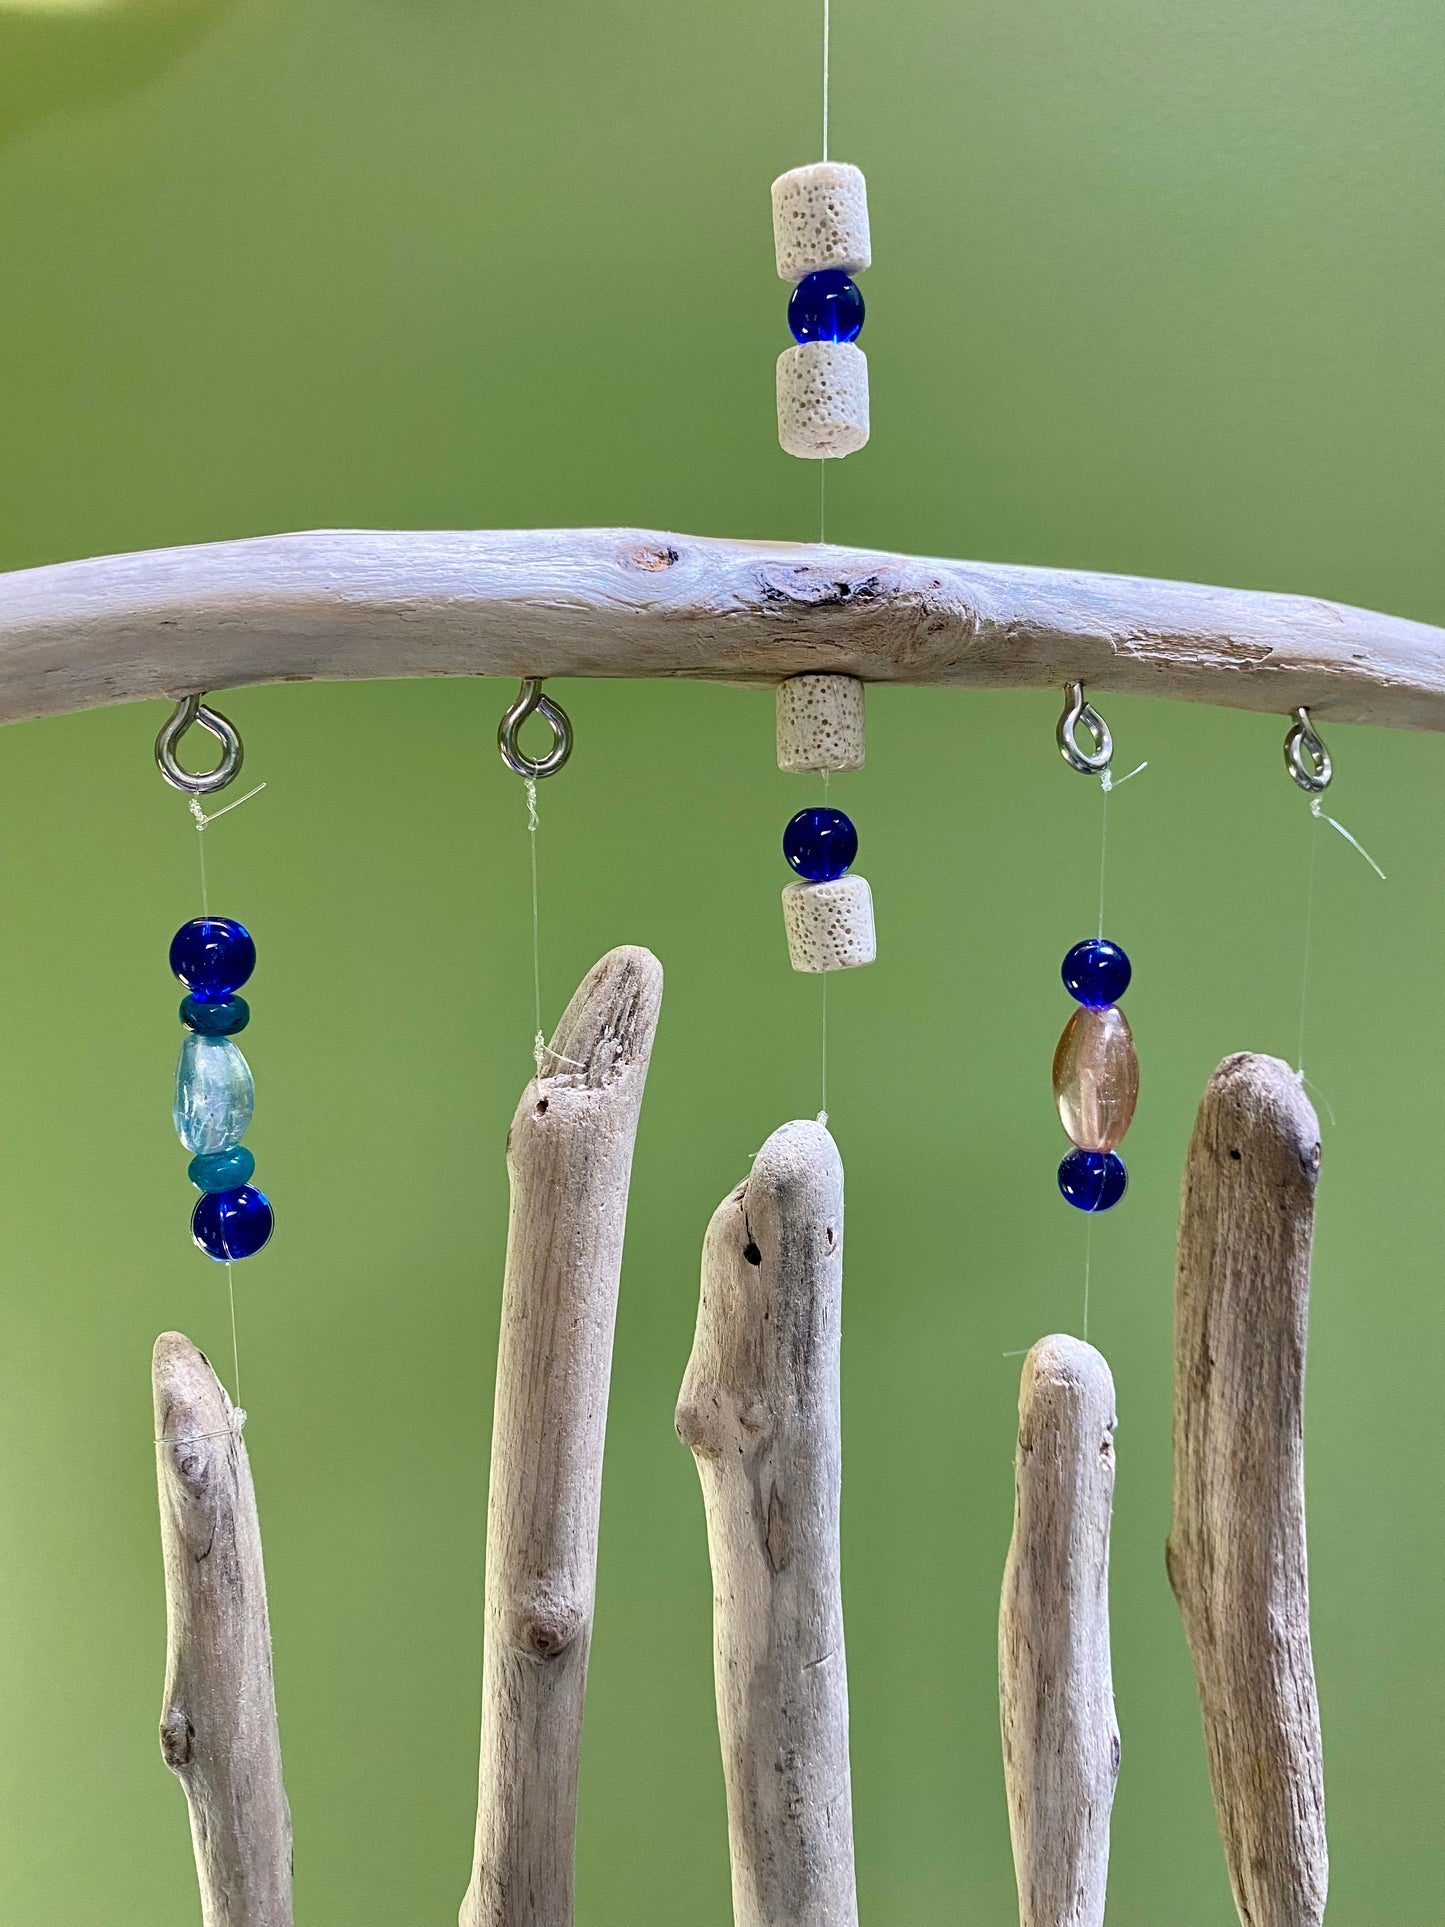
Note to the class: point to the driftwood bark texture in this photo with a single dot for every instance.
(760, 1411)
(569, 1155)
(1056, 1688)
(336, 604)
(1237, 1547)
(218, 1722)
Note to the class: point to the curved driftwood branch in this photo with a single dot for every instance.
(1056, 1688)
(1237, 1547)
(569, 1155)
(760, 1410)
(625, 602)
(218, 1723)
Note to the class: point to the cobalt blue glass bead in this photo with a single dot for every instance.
(820, 844)
(1093, 1180)
(216, 1020)
(826, 306)
(232, 1224)
(222, 1170)
(1096, 972)
(213, 957)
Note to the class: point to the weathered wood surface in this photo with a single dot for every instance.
(1237, 1546)
(569, 1155)
(218, 1720)
(759, 1409)
(1056, 1687)
(626, 602)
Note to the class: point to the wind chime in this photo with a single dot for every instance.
(760, 1403)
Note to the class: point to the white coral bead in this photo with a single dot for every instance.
(829, 925)
(820, 220)
(822, 399)
(820, 723)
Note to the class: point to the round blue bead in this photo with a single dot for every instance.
(221, 1170)
(232, 1224)
(213, 957)
(820, 844)
(1096, 972)
(216, 1020)
(826, 306)
(1093, 1180)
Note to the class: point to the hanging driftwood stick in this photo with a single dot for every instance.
(336, 604)
(1237, 1547)
(760, 1411)
(218, 1722)
(569, 1155)
(1056, 1687)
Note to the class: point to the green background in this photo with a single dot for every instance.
(1158, 289)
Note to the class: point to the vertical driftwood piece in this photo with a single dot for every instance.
(1056, 1686)
(218, 1722)
(1237, 1546)
(760, 1410)
(569, 1155)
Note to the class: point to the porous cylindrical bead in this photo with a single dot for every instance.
(823, 399)
(820, 220)
(1096, 1078)
(829, 925)
(820, 723)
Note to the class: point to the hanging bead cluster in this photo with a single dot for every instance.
(215, 1095)
(1096, 1075)
(827, 914)
(821, 240)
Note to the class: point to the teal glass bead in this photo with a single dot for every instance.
(215, 1094)
(216, 1020)
(222, 1170)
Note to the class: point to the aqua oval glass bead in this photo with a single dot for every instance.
(232, 1224)
(215, 1094)
(222, 1170)
(216, 1020)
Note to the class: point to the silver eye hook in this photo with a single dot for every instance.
(193, 712)
(1087, 762)
(531, 701)
(1305, 756)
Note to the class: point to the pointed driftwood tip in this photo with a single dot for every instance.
(1064, 1372)
(803, 1144)
(609, 1025)
(1255, 1105)
(798, 1172)
(188, 1395)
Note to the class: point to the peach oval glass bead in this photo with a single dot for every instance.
(1096, 1078)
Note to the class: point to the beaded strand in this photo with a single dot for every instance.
(1096, 1075)
(215, 1093)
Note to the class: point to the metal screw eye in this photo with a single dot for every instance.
(192, 711)
(1087, 762)
(530, 701)
(1305, 756)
